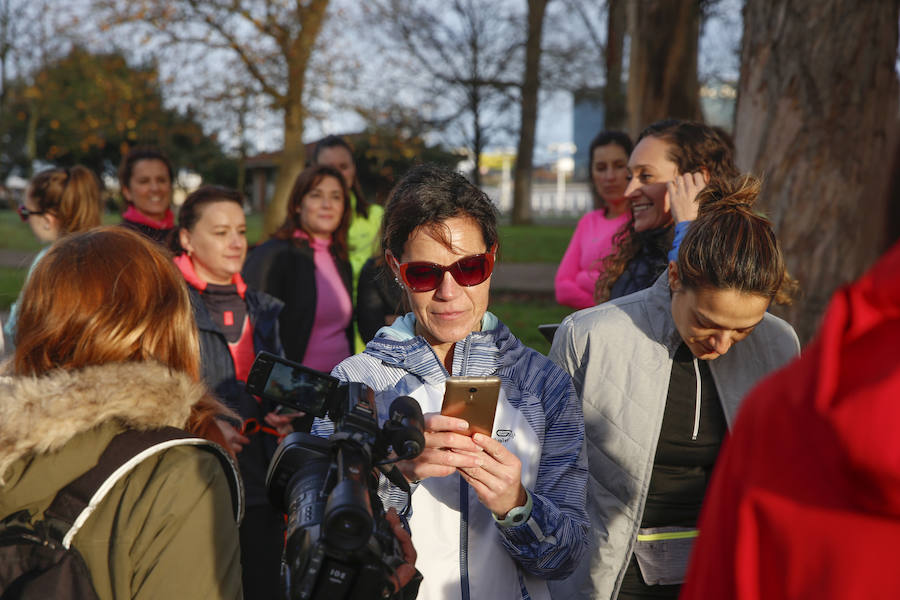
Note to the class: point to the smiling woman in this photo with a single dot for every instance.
(145, 178)
(666, 369)
(667, 152)
(306, 266)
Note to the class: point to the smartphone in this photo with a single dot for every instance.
(473, 399)
(291, 384)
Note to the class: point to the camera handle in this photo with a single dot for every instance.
(396, 477)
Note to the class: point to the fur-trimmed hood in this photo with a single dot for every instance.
(41, 414)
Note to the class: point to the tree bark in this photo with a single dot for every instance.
(531, 83)
(293, 152)
(817, 99)
(662, 79)
(616, 114)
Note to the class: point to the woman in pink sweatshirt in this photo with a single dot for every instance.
(593, 237)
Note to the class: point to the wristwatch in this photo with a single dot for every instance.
(516, 515)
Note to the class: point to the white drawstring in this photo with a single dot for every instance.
(697, 404)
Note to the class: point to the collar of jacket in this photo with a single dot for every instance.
(186, 265)
(482, 352)
(41, 414)
(658, 304)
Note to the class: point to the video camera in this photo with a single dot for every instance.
(339, 544)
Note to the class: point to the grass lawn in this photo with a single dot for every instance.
(518, 243)
(522, 314)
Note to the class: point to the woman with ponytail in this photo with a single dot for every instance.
(661, 374)
(57, 202)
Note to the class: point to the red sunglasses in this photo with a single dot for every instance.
(467, 271)
(24, 213)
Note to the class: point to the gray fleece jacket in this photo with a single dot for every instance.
(619, 355)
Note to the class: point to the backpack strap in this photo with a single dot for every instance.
(75, 503)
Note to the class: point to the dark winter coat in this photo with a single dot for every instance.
(287, 270)
(217, 367)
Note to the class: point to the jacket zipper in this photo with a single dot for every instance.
(697, 401)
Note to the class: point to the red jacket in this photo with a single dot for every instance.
(805, 499)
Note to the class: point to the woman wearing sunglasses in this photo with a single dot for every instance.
(305, 266)
(235, 323)
(492, 517)
(57, 202)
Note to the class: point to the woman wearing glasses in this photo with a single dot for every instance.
(57, 202)
(305, 266)
(492, 517)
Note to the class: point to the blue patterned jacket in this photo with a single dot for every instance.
(462, 552)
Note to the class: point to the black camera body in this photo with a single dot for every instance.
(339, 544)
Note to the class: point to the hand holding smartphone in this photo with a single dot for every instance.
(473, 399)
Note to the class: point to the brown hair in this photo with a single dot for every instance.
(427, 196)
(139, 153)
(730, 246)
(105, 295)
(191, 210)
(304, 184)
(692, 147)
(605, 138)
(71, 195)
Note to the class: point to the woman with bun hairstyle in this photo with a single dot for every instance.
(107, 345)
(306, 266)
(671, 159)
(578, 271)
(57, 202)
(234, 324)
(661, 374)
(145, 178)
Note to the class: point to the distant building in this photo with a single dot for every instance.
(588, 117)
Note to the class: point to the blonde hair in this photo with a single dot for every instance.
(102, 296)
(71, 195)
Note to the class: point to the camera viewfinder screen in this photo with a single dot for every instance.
(301, 389)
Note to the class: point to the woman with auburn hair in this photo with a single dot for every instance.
(107, 344)
(661, 374)
(145, 178)
(306, 266)
(235, 323)
(57, 202)
(671, 162)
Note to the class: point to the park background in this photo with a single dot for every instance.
(510, 91)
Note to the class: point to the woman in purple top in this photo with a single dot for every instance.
(577, 275)
(305, 265)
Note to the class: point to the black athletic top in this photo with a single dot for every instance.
(682, 465)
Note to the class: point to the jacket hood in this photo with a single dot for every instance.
(41, 414)
(494, 347)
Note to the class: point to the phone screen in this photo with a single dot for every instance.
(298, 387)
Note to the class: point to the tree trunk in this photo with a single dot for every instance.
(531, 83)
(293, 152)
(613, 94)
(817, 100)
(662, 79)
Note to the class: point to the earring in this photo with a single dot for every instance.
(398, 282)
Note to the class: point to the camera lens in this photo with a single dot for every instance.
(348, 516)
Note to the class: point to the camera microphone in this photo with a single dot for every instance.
(405, 427)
